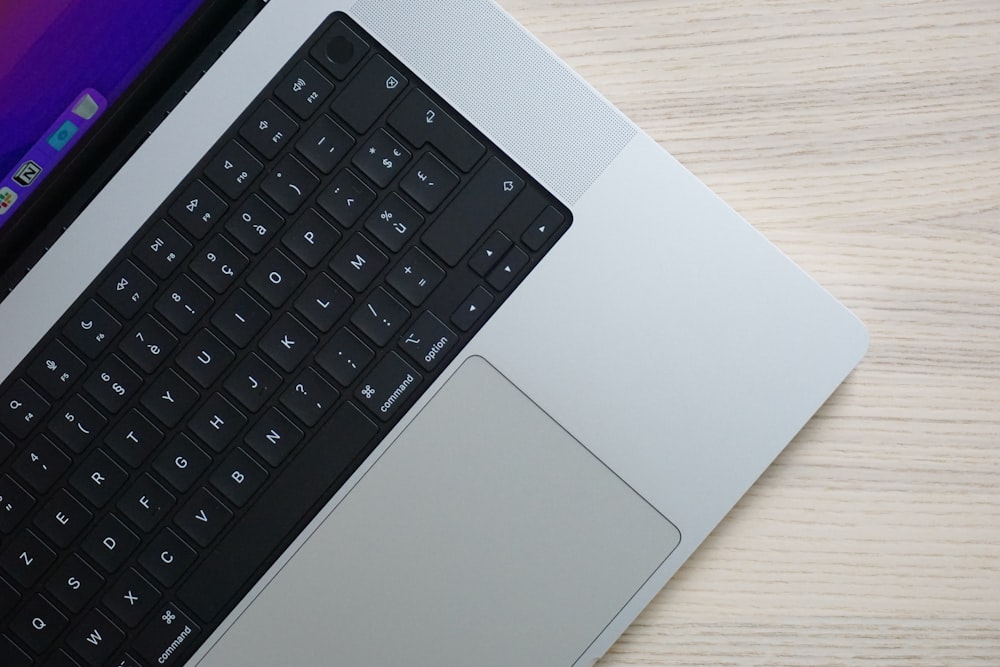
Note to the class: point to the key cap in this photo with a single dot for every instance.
(25, 559)
(358, 262)
(429, 182)
(94, 638)
(268, 129)
(311, 238)
(56, 369)
(273, 437)
(276, 278)
(428, 342)
(388, 387)
(127, 289)
(110, 543)
(542, 228)
(219, 264)
(346, 198)
(92, 329)
(380, 316)
(309, 397)
(113, 384)
(205, 358)
(145, 503)
(203, 517)
(183, 304)
(162, 249)
(254, 223)
(508, 269)
(98, 478)
(41, 464)
(344, 357)
(131, 598)
(233, 169)
(6, 447)
(240, 318)
(472, 212)
(21, 408)
(323, 302)
(74, 583)
(38, 624)
(77, 424)
(197, 209)
(472, 309)
(62, 519)
(182, 463)
(134, 438)
(238, 478)
(15, 503)
(495, 247)
(252, 383)
(289, 184)
(167, 557)
(217, 423)
(325, 144)
(370, 93)
(148, 344)
(381, 158)
(393, 222)
(339, 50)
(415, 277)
(227, 569)
(167, 639)
(169, 398)
(288, 343)
(9, 597)
(304, 90)
(421, 121)
(13, 656)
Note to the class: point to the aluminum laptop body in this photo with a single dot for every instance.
(578, 449)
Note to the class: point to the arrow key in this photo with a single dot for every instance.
(505, 272)
(472, 309)
(542, 229)
(490, 253)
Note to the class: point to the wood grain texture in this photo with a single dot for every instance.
(863, 138)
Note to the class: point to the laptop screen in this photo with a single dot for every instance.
(63, 62)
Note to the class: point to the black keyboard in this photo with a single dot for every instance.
(244, 353)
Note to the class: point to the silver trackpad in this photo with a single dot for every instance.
(485, 535)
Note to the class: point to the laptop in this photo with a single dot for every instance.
(363, 333)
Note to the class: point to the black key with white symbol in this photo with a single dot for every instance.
(508, 269)
(198, 208)
(490, 253)
(127, 289)
(131, 598)
(25, 559)
(268, 129)
(288, 343)
(183, 304)
(304, 90)
(77, 423)
(162, 249)
(358, 262)
(309, 397)
(181, 463)
(325, 144)
(95, 638)
(133, 438)
(369, 94)
(92, 329)
(98, 478)
(110, 543)
(41, 464)
(276, 277)
(393, 222)
(203, 517)
(113, 383)
(145, 503)
(240, 318)
(254, 223)
(219, 264)
(311, 238)
(38, 624)
(15, 503)
(205, 358)
(428, 342)
(422, 121)
(542, 228)
(472, 212)
(388, 387)
(238, 477)
(56, 369)
(167, 557)
(380, 316)
(74, 583)
(290, 184)
(429, 182)
(346, 198)
(217, 423)
(253, 383)
(233, 169)
(148, 344)
(381, 158)
(415, 277)
(169, 398)
(472, 309)
(21, 408)
(62, 519)
(339, 50)
(323, 302)
(273, 437)
(166, 641)
(344, 357)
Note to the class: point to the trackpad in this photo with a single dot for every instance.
(485, 535)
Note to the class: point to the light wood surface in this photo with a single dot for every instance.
(863, 138)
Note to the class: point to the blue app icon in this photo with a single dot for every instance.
(61, 137)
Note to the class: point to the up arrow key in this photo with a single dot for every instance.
(542, 229)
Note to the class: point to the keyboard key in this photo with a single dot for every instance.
(98, 478)
(325, 144)
(268, 129)
(253, 383)
(311, 238)
(428, 342)
(113, 384)
(323, 302)
(182, 463)
(92, 329)
(490, 253)
(41, 464)
(134, 438)
(309, 397)
(344, 357)
(304, 90)
(421, 121)
(240, 318)
(415, 277)
(162, 249)
(288, 343)
(198, 208)
(388, 387)
(167, 640)
(358, 262)
(127, 289)
(110, 543)
(380, 316)
(38, 624)
(369, 94)
(145, 503)
(167, 557)
(429, 182)
(205, 358)
(21, 408)
(472, 309)
(289, 184)
(9, 597)
(25, 559)
(273, 437)
(12, 655)
(228, 567)
(254, 223)
(542, 228)
(381, 158)
(275, 278)
(203, 517)
(56, 369)
(339, 50)
(183, 304)
(74, 583)
(148, 344)
(233, 169)
(219, 264)
(131, 598)
(513, 263)
(62, 519)
(6, 447)
(61, 659)
(393, 222)
(472, 212)
(169, 398)
(346, 198)
(217, 423)
(15, 503)
(238, 478)
(95, 638)
(77, 424)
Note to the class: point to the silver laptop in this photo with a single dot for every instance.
(394, 343)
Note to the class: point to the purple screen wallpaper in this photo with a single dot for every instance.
(52, 52)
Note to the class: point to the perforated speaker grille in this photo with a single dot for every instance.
(519, 94)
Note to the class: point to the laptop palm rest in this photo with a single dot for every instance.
(485, 535)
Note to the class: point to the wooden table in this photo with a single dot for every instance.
(863, 138)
